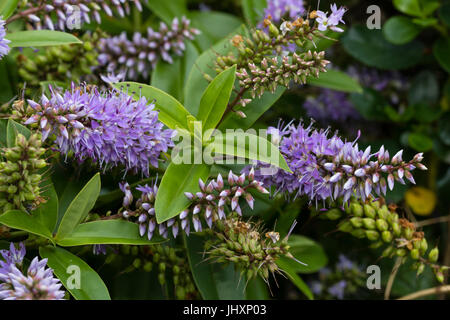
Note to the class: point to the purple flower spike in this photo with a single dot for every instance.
(328, 168)
(38, 283)
(108, 127)
(4, 43)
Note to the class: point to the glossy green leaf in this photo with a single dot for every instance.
(214, 281)
(294, 277)
(400, 30)
(7, 8)
(168, 10)
(47, 212)
(370, 47)
(248, 146)
(215, 99)
(178, 179)
(214, 26)
(420, 142)
(336, 80)
(41, 38)
(254, 11)
(64, 263)
(12, 130)
(306, 251)
(24, 221)
(196, 83)
(79, 208)
(171, 111)
(107, 232)
(411, 7)
(172, 77)
(253, 111)
(441, 50)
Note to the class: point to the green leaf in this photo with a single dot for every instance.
(167, 10)
(178, 179)
(215, 99)
(214, 26)
(425, 22)
(400, 30)
(40, 38)
(172, 77)
(47, 212)
(23, 221)
(370, 47)
(248, 146)
(420, 142)
(424, 89)
(254, 11)
(411, 7)
(196, 83)
(107, 232)
(429, 6)
(171, 111)
(441, 50)
(12, 130)
(214, 281)
(79, 207)
(254, 110)
(294, 277)
(62, 261)
(336, 80)
(7, 8)
(306, 251)
(257, 289)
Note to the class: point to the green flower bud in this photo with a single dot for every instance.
(273, 31)
(420, 268)
(396, 229)
(333, 214)
(161, 278)
(381, 225)
(369, 211)
(345, 226)
(357, 222)
(423, 246)
(372, 235)
(369, 223)
(383, 212)
(433, 255)
(415, 254)
(388, 252)
(408, 233)
(386, 236)
(400, 252)
(137, 263)
(358, 233)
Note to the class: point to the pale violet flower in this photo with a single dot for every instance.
(332, 21)
(4, 43)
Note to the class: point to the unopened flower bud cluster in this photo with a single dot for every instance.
(19, 173)
(381, 224)
(243, 243)
(61, 64)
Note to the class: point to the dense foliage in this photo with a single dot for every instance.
(250, 149)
